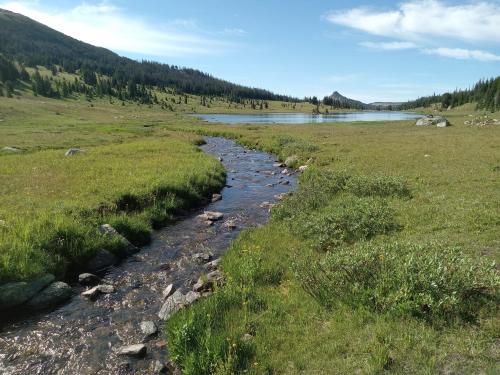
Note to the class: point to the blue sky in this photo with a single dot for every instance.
(367, 50)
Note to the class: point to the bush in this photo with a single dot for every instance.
(344, 221)
(427, 281)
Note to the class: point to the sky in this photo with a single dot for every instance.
(366, 50)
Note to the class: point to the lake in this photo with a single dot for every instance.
(307, 118)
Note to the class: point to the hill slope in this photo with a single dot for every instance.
(338, 100)
(32, 43)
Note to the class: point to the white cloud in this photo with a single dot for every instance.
(389, 46)
(462, 54)
(107, 26)
(425, 19)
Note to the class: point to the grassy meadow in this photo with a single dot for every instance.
(383, 261)
(130, 174)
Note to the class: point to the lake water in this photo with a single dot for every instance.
(307, 118)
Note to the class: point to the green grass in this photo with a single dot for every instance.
(382, 262)
(133, 185)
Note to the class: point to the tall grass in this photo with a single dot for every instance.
(52, 205)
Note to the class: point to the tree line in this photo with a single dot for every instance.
(485, 93)
(31, 43)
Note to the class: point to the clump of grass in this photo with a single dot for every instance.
(344, 221)
(134, 228)
(431, 281)
(199, 340)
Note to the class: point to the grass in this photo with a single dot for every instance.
(135, 185)
(383, 261)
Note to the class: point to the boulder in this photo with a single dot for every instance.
(87, 279)
(279, 165)
(216, 197)
(291, 161)
(203, 257)
(302, 168)
(266, 205)
(167, 292)
(148, 328)
(137, 350)
(17, 293)
(211, 215)
(101, 260)
(111, 232)
(191, 297)
(92, 293)
(431, 120)
(53, 295)
(231, 224)
(173, 304)
(72, 151)
(159, 368)
(214, 264)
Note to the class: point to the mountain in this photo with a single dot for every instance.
(338, 100)
(31, 43)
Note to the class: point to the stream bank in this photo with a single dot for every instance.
(85, 336)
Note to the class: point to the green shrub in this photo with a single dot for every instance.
(427, 281)
(344, 220)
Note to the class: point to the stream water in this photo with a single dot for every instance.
(82, 337)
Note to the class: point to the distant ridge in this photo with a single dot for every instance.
(32, 43)
(337, 100)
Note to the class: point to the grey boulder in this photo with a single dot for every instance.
(101, 260)
(17, 293)
(53, 295)
(431, 120)
(137, 350)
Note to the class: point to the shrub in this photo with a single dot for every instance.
(430, 281)
(347, 220)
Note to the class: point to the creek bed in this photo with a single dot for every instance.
(82, 337)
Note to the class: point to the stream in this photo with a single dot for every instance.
(82, 337)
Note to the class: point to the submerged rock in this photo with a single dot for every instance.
(51, 296)
(99, 289)
(17, 293)
(211, 215)
(137, 350)
(216, 197)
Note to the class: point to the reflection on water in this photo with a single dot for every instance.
(307, 118)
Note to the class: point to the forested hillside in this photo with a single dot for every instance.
(486, 93)
(31, 43)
